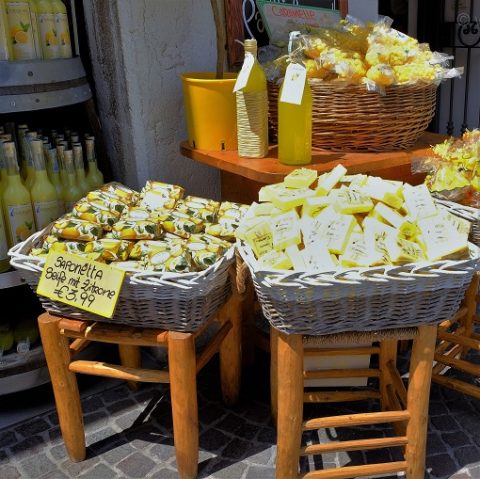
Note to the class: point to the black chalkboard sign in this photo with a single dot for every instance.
(253, 24)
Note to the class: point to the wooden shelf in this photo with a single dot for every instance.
(241, 177)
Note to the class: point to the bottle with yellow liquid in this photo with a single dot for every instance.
(54, 176)
(47, 31)
(94, 175)
(43, 193)
(21, 131)
(82, 182)
(3, 167)
(252, 105)
(22, 29)
(71, 192)
(17, 204)
(60, 150)
(5, 43)
(62, 28)
(30, 169)
(295, 118)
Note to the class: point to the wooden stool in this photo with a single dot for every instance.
(456, 338)
(183, 366)
(406, 409)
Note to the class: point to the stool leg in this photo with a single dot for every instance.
(183, 387)
(231, 351)
(418, 398)
(130, 357)
(290, 404)
(65, 387)
(471, 304)
(274, 373)
(388, 352)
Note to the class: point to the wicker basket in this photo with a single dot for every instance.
(172, 301)
(361, 299)
(468, 213)
(350, 118)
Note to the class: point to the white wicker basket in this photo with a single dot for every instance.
(173, 301)
(361, 299)
(468, 213)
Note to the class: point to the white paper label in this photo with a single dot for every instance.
(45, 212)
(244, 74)
(294, 84)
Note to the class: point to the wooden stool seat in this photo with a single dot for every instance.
(63, 338)
(405, 408)
(457, 337)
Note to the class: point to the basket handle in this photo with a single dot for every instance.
(242, 274)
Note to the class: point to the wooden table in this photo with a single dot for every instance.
(242, 177)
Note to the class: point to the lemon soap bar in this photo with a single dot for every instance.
(260, 238)
(289, 198)
(317, 258)
(300, 178)
(330, 180)
(313, 206)
(356, 253)
(349, 201)
(285, 230)
(275, 260)
(385, 191)
(419, 202)
(296, 257)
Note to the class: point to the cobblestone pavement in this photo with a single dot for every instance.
(129, 435)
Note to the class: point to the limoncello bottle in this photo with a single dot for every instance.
(54, 176)
(252, 106)
(295, 123)
(22, 29)
(30, 169)
(17, 204)
(71, 192)
(21, 131)
(60, 150)
(94, 175)
(43, 193)
(47, 31)
(82, 182)
(63, 30)
(5, 43)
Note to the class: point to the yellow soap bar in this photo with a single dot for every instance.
(289, 198)
(154, 200)
(419, 202)
(313, 206)
(376, 234)
(77, 229)
(317, 258)
(137, 213)
(385, 191)
(300, 178)
(285, 230)
(403, 251)
(275, 260)
(266, 192)
(172, 191)
(138, 230)
(260, 238)
(110, 249)
(354, 180)
(337, 232)
(462, 225)
(295, 257)
(356, 254)
(349, 202)
(327, 183)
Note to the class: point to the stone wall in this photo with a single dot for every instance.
(139, 49)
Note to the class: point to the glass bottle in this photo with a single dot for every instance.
(17, 204)
(54, 176)
(71, 192)
(252, 107)
(30, 169)
(82, 182)
(63, 30)
(5, 43)
(4, 261)
(22, 29)
(43, 193)
(60, 150)
(21, 131)
(47, 31)
(295, 128)
(94, 175)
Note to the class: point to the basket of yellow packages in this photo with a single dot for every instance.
(373, 87)
(177, 253)
(342, 252)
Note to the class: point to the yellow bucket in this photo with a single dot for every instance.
(210, 111)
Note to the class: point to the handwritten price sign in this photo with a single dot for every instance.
(81, 282)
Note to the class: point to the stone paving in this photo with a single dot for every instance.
(129, 435)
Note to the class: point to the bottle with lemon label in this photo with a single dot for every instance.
(5, 44)
(29, 168)
(82, 183)
(21, 17)
(94, 175)
(62, 28)
(43, 193)
(16, 200)
(47, 30)
(71, 192)
(54, 175)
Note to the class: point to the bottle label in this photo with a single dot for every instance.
(294, 84)
(48, 35)
(21, 222)
(244, 74)
(3, 242)
(63, 35)
(21, 30)
(3, 38)
(45, 213)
